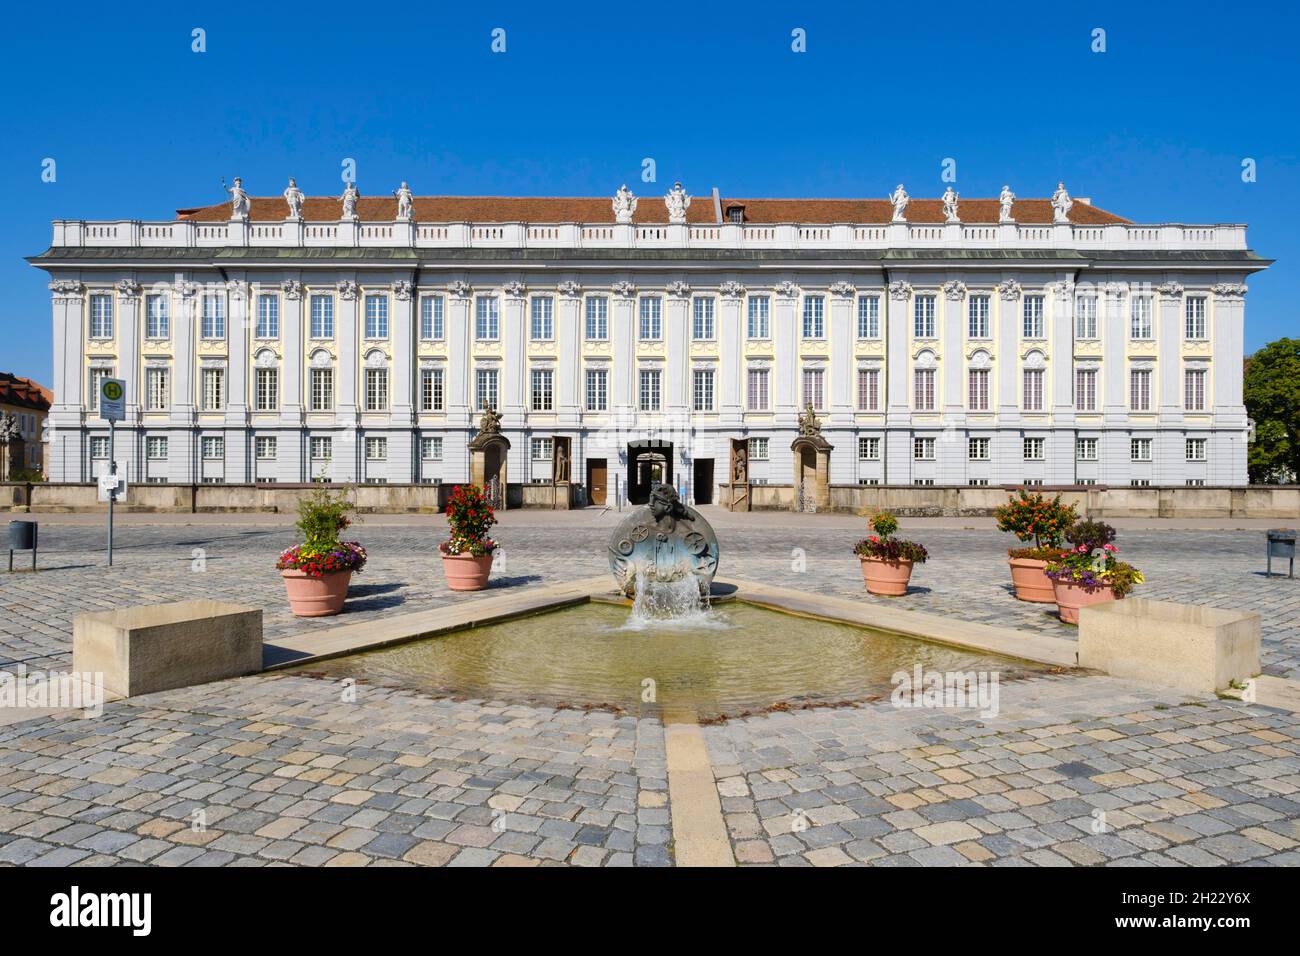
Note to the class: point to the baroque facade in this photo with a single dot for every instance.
(939, 341)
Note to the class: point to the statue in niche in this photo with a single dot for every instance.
(561, 462)
(294, 197)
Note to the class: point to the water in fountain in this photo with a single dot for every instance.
(672, 598)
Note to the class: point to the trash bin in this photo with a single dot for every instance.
(22, 537)
(1281, 544)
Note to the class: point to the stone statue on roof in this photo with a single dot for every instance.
(677, 202)
(1061, 203)
(950, 205)
(350, 197)
(294, 197)
(625, 204)
(1005, 201)
(405, 203)
(899, 198)
(239, 202)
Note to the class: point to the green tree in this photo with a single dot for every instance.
(1272, 387)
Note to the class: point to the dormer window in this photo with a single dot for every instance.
(735, 214)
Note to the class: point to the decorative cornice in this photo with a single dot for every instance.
(128, 288)
(900, 289)
(842, 289)
(347, 289)
(292, 288)
(458, 289)
(1061, 288)
(786, 289)
(515, 289)
(954, 289)
(731, 289)
(569, 289)
(1009, 289)
(187, 289)
(67, 289)
(403, 289)
(624, 289)
(1229, 290)
(1170, 288)
(679, 289)
(237, 289)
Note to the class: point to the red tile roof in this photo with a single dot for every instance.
(25, 393)
(650, 209)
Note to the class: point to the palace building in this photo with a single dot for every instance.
(938, 341)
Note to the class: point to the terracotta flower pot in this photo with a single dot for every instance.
(316, 597)
(466, 572)
(1070, 597)
(886, 577)
(1031, 581)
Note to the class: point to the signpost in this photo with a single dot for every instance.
(112, 408)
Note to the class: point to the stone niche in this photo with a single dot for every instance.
(1190, 647)
(156, 647)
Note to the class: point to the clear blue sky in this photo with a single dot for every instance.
(1154, 129)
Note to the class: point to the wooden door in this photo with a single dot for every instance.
(596, 479)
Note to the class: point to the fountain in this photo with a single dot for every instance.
(664, 557)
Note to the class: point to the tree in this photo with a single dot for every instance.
(1272, 387)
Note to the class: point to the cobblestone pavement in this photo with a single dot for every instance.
(282, 769)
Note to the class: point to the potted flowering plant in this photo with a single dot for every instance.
(467, 553)
(317, 572)
(1090, 572)
(1044, 522)
(887, 561)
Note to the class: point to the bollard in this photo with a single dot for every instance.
(22, 537)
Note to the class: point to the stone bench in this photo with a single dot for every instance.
(155, 647)
(1191, 647)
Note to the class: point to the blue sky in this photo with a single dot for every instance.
(1154, 129)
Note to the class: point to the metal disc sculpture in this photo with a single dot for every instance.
(663, 541)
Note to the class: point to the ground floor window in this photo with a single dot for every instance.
(758, 449)
(1086, 449)
(868, 449)
(1140, 449)
(978, 449)
(376, 449)
(98, 447)
(156, 449)
(265, 447)
(1196, 449)
(1034, 449)
(431, 449)
(322, 449)
(214, 448)
(923, 449)
(541, 449)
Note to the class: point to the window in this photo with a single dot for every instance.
(157, 324)
(487, 318)
(214, 448)
(322, 389)
(485, 388)
(97, 375)
(1085, 389)
(1139, 482)
(814, 317)
(1085, 449)
(540, 449)
(735, 214)
(1033, 382)
(1140, 317)
(376, 449)
(813, 392)
(98, 447)
(597, 318)
(702, 390)
(702, 323)
(597, 390)
(431, 390)
(1194, 327)
(1195, 482)
(268, 317)
(322, 449)
(977, 449)
(759, 317)
(923, 389)
(266, 389)
(543, 318)
(265, 448)
(431, 449)
(868, 316)
(431, 318)
(868, 389)
(758, 449)
(543, 390)
(1140, 449)
(213, 323)
(1196, 449)
(1139, 390)
(1033, 316)
(322, 317)
(979, 390)
(923, 317)
(869, 449)
(101, 316)
(1085, 317)
(652, 327)
(214, 389)
(977, 317)
(923, 449)
(757, 390)
(1194, 390)
(650, 389)
(376, 389)
(1034, 449)
(155, 449)
(377, 316)
(157, 389)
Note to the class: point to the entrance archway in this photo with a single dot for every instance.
(649, 461)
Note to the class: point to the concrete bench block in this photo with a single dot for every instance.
(1187, 646)
(140, 650)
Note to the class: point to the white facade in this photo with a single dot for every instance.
(950, 353)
